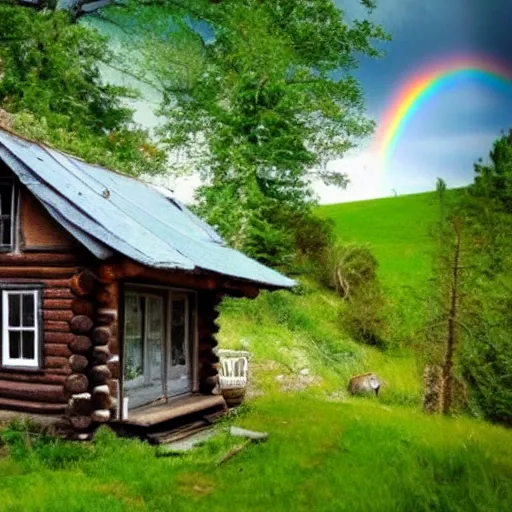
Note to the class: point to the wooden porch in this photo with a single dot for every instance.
(159, 421)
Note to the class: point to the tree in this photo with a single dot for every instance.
(446, 328)
(486, 359)
(52, 87)
(258, 97)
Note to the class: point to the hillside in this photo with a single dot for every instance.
(326, 450)
(288, 332)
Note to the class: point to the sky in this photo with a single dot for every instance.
(452, 129)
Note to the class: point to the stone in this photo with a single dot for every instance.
(304, 372)
(248, 434)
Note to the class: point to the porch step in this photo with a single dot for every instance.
(152, 415)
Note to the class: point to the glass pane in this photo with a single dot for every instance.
(28, 345)
(28, 310)
(14, 344)
(134, 333)
(155, 336)
(14, 310)
(178, 332)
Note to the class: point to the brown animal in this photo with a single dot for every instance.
(364, 384)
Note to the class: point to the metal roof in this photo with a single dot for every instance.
(109, 212)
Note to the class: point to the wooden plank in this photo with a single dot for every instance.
(56, 326)
(153, 414)
(29, 406)
(32, 391)
(63, 315)
(58, 337)
(58, 293)
(57, 303)
(48, 377)
(56, 349)
(38, 272)
(37, 258)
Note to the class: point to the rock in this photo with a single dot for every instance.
(364, 384)
(249, 434)
(304, 372)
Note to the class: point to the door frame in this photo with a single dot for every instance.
(193, 341)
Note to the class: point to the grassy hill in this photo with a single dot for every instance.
(399, 232)
(326, 450)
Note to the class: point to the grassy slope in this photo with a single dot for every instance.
(398, 230)
(326, 451)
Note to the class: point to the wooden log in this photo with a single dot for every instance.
(32, 391)
(58, 293)
(78, 363)
(59, 337)
(104, 296)
(99, 375)
(130, 269)
(56, 362)
(57, 315)
(101, 335)
(80, 422)
(56, 326)
(61, 371)
(115, 369)
(48, 377)
(80, 345)
(81, 306)
(32, 407)
(113, 386)
(57, 304)
(207, 342)
(80, 404)
(81, 324)
(59, 350)
(100, 355)
(57, 283)
(100, 416)
(38, 272)
(37, 258)
(106, 317)
(77, 383)
(101, 398)
(84, 283)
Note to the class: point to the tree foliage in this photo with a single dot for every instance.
(51, 83)
(258, 96)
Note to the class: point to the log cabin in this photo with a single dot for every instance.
(109, 291)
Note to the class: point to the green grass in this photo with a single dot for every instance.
(326, 450)
(354, 456)
(398, 231)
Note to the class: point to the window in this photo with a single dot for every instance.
(6, 213)
(20, 328)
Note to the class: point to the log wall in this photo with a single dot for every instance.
(207, 328)
(43, 390)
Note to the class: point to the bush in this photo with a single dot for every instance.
(349, 269)
(364, 316)
(486, 363)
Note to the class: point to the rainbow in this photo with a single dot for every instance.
(432, 79)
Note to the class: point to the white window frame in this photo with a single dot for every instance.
(6, 330)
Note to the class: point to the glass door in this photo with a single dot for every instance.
(179, 374)
(144, 342)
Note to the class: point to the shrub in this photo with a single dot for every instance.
(349, 268)
(364, 316)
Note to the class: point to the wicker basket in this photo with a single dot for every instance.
(233, 396)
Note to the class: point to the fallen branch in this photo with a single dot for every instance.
(233, 451)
